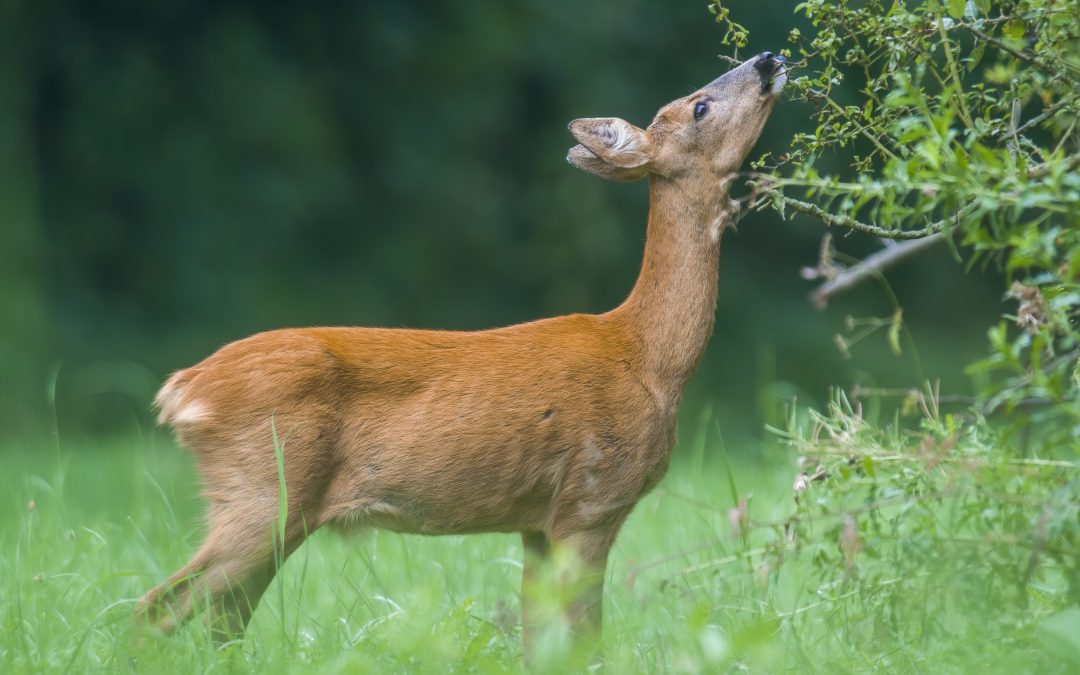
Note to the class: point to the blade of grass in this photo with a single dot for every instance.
(283, 517)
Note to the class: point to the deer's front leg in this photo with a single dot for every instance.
(582, 585)
(578, 590)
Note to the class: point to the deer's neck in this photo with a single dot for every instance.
(672, 306)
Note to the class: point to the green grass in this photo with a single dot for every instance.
(86, 528)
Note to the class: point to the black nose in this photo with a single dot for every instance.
(768, 63)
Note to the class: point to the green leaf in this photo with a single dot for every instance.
(868, 466)
(956, 8)
(1060, 634)
(976, 56)
(1014, 28)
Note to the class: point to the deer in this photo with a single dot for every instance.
(553, 428)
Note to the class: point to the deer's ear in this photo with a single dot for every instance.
(614, 140)
(585, 160)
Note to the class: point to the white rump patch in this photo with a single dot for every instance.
(191, 412)
(170, 398)
(166, 398)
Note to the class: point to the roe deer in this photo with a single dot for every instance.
(553, 428)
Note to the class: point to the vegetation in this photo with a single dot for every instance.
(910, 526)
(706, 577)
(964, 132)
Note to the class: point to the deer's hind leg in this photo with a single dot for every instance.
(227, 575)
(244, 546)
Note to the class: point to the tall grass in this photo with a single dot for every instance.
(703, 579)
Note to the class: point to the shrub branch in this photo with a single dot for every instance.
(872, 266)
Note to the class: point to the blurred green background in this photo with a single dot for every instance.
(176, 175)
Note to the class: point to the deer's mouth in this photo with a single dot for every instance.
(770, 68)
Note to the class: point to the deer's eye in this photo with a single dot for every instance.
(700, 108)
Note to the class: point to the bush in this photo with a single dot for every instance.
(953, 519)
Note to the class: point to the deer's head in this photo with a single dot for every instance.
(706, 134)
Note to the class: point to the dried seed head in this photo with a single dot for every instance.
(1031, 312)
(802, 482)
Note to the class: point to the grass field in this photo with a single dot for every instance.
(86, 528)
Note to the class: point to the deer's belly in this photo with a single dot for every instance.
(506, 486)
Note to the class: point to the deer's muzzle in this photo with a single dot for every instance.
(770, 68)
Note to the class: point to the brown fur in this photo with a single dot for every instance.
(553, 428)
